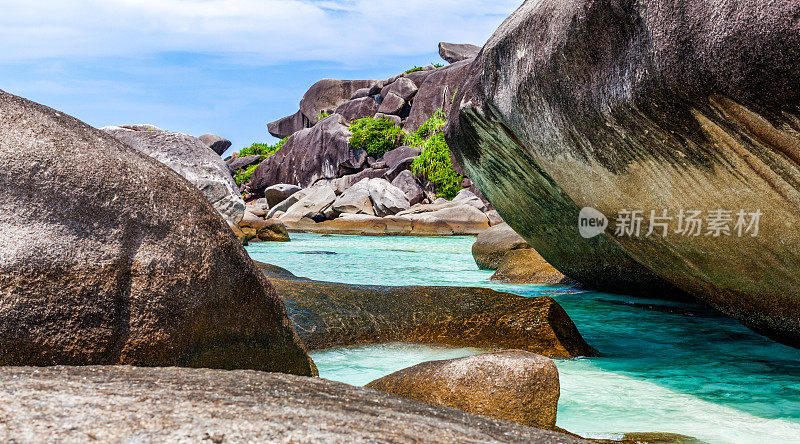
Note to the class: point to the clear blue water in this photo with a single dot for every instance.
(666, 366)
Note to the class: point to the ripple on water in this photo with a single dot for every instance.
(666, 366)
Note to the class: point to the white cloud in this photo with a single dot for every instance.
(261, 31)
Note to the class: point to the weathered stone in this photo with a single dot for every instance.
(493, 244)
(467, 197)
(401, 167)
(355, 200)
(418, 77)
(329, 315)
(358, 108)
(191, 158)
(387, 199)
(325, 95)
(512, 385)
(408, 184)
(392, 104)
(243, 162)
(110, 257)
(705, 119)
(453, 219)
(361, 93)
(436, 92)
(526, 266)
(396, 119)
(288, 125)
(397, 155)
(312, 204)
(494, 218)
(279, 193)
(125, 404)
(284, 205)
(342, 184)
(456, 52)
(259, 210)
(216, 143)
(404, 88)
(274, 231)
(322, 152)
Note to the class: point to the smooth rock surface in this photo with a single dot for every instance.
(191, 158)
(392, 104)
(329, 315)
(288, 125)
(408, 184)
(511, 385)
(456, 52)
(387, 199)
(127, 404)
(526, 266)
(243, 162)
(493, 244)
(109, 257)
(216, 143)
(325, 95)
(355, 200)
(682, 106)
(316, 199)
(436, 92)
(279, 193)
(358, 108)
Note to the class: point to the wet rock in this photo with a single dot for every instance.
(216, 143)
(358, 108)
(321, 152)
(279, 193)
(526, 266)
(456, 52)
(387, 199)
(112, 258)
(329, 315)
(512, 385)
(288, 125)
(111, 404)
(708, 121)
(355, 200)
(493, 244)
(325, 95)
(191, 158)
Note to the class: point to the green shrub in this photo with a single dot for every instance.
(243, 174)
(322, 115)
(262, 149)
(376, 136)
(420, 68)
(435, 164)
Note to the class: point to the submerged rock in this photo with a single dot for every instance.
(329, 315)
(676, 109)
(493, 244)
(125, 404)
(513, 385)
(191, 158)
(109, 257)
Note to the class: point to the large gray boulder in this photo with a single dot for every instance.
(512, 385)
(387, 198)
(125, 404)
(408, 184)
(680, 106)
(397, 155)
(493, 244)
(321, 152)
(285, 127)
(280, 192)
(325, 95)
(358, 108)
(191, 158)
(109, 257)
(436, 92)
(456, 52)
(243, 162)
(216, 143)
(355, 200)
(313, 203)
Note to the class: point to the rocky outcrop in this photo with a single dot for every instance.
(512, 385)
(216, 143)
(321, 152)
(110, 257)
(192, 159)
(289, 125)
(358, 108)
(256, 228)
(236, 163)
(457, 52)
(386, 198)
(279, 193)
(329, 315)
(526, 266)
(408, 184)
(435, 93)
(355, 200)
(315, 201)
(125, 404)
(493, 244)
(677, 108)
(325, 95)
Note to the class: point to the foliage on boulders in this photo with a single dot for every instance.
(376, 136)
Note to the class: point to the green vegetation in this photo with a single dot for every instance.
(322, 115)
(435, 163)
(420, 68)
(376, 136)
(242, 175)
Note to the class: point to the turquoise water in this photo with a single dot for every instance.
(666, 366)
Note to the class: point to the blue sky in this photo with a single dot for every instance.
(221, 66)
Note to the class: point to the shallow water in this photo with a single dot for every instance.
(666, 366)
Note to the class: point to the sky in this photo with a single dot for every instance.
(226, 67)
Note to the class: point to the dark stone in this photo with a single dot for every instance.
(278, 193)
(361, 93)
(110, 257)
(327, 94)
(401, 166)
(376, 89)
(392, 104)
(493, 244)
(358, 109)
(243, 162)
(329, 315)
(418, 77)
(511, 385)
(125, 404)
(397, 155)
(322, 152)
(404, 88)
(216, 143)
(288, 125)
(678, 107)
(406, 181)
(436, 93)
(456, 52)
